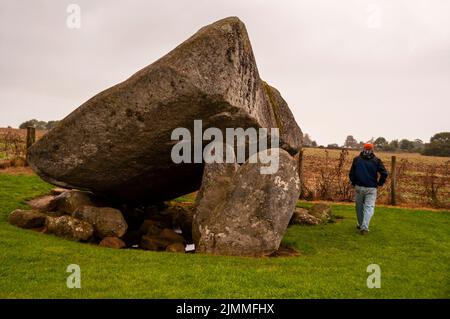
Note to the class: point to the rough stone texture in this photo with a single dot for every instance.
(302, 216)
(112, 242)
(107, 222)
(70, 201)
(42, 203)
(118, 143)
(321, 211)
(176, 248)
(255, 214)
(69, 227)
(26, 218)
(216, 184)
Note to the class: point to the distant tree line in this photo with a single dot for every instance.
(39, 125)
(439, 144)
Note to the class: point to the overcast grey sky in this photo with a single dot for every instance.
(363, 67)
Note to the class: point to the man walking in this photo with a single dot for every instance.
(364, 176)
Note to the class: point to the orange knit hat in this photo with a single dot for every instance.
(368, 146)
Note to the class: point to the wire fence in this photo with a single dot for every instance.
(419, 180)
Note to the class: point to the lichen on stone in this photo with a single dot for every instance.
(274, 104)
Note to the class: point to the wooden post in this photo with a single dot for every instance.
(300, 171)
(393, 180)
(31, 138)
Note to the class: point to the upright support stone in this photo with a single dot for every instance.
(251, 216)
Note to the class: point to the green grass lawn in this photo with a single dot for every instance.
(412, 248)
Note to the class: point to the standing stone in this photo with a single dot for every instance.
(69, 227)
(255, 213)
(216, 184)
(118, 143)
(107, 222)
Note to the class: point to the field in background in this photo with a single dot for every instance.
(421, 180)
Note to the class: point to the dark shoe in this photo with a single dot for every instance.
(358, 227)
(364, 232)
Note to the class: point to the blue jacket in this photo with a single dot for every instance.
(365, 170)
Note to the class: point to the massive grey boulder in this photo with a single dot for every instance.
(253, 214)
(118, 143)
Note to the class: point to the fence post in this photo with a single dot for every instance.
(31, 138)
(393, 180)
(300, 171)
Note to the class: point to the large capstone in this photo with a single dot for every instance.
(118, 143)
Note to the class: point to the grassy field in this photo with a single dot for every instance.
(412, 248)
